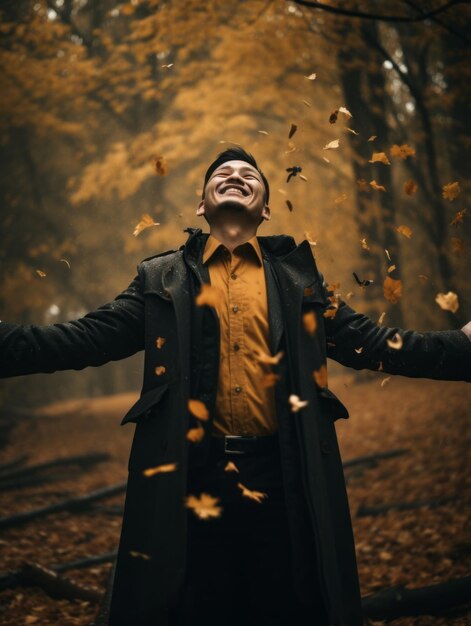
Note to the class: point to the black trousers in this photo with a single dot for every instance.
(239, 568)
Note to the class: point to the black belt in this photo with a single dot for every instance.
(244, 445)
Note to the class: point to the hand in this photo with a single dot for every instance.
(467, 330)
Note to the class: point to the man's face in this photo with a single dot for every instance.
(234, 188)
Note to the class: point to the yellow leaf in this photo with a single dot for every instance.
(262, 357)
(146, 222)
(310, 239)
(195, 434)
(364, 245)
(410, 187)
(451, 191)
(198, 409)
(404, 230)
(160, 369)
(231, 467)
(257, 496)
(345, 112)
(204, 506)
(380, 157)
(448, 301)
(160, 341)
(396, 342)
(392, 289)
(320, 376)
(332, 145)
(381, 318)
(374, 185)
(311, 77)
(353, 132)
(302, 177)
(401, 151)
(391, 268)
(159, 469)
(310, 322)
(296, 403)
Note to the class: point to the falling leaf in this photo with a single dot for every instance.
(308, 291)
(345, 112)
(198, 409)
(458, 219)
(146, 222)
(289, 204)
(159, 469)
(423, 278)
(451, 191)
(311, 77)
(41, 274)
(167, 66)
(160, 341)
(385, 381)
(68, 264)
(387, 254)
(457, 245)
(404, 230)
(204, 506)
(363, 184)
(262, 132)
(160, 165)
(282, 191)
(291, 147)
(262, 357)
(359, 350)
(333, 116)
(310, 239)
(296, 403)
(381, 318)
(410, 187)
(380, 157)
(385, 556)
(269, 380)
(31, 619)
(349, 295)
(374, 185)
(332, 145)
(160, 369)
(326, 159)
(391, 268)
(302, 177)
(320, 376)
(380, 368)
(257, 496)
(341, 198)
(210, 296)
(195, 434)
(307, 103)
(139, 555)
(373, 137)
(310, 322)
(127, 9)
(392, 289)
(396, 342)
(402, 152)
(448, 301)
(231, 467)
(292, 130)
(364, 245)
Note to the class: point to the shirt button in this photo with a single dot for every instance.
(238, 389)
(236, 347)
(235, 309)
(233, 275)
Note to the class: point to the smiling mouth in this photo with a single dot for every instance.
(234, 190)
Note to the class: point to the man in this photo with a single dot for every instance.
(265, 536)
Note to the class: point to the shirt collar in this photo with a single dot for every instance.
(212, 244)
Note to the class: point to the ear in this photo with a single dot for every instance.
(266, 213)
(200, 209)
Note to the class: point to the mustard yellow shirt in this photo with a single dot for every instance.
(243, 405)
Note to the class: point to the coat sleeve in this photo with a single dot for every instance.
(440, 355)
(114, 331)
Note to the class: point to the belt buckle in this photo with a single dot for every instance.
(232, 437)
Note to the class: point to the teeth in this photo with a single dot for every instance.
(234, 189)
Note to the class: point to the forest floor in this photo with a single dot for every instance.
(414, 548)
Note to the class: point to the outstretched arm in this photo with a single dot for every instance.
(112, 332)
(355, 341)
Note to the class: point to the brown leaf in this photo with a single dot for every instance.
(257, 496)
(310, 322)
(379, 157)
(210, 296)
(269, 380)
(391, 268)
(448, 301)
(289, 204)
(160, 469)
(160, 369)
(402, 152)
(198, 409)
(166, 66)
(410, 187)
(320, 376)
(353, 132)
(292, 130)
(396, 342)
(296, 403)
(41, 274)
(404, 230)
(374, 185)
(345, 112)
(373, 137)
(451, 191)
(333, 116)
(262, 357)
(458, 219)
(332, 145)
(392, 289)
(364, 245)
(204, 506)
(146, 222)
(160, 341)
(231, 467)
(161, 166)
(195, 434)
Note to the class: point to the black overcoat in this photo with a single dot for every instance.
(159, 303)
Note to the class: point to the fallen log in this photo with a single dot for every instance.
(372, 459)
(82, 460)
(432, 600)
(57, 586)
(77, 503)
(366, 511)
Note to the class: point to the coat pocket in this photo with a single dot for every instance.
(144, 406)
(331, 406)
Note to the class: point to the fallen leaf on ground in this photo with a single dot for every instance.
(296, 403)
(396, 342)
(392, 289)
(198, 409)
(350, 130)
(146, 222)
(448, 301)
(257, 496)
(204, 506)
(359, 350)
(159, 469)
(302, 177)
(451, 191)
(379, 157)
